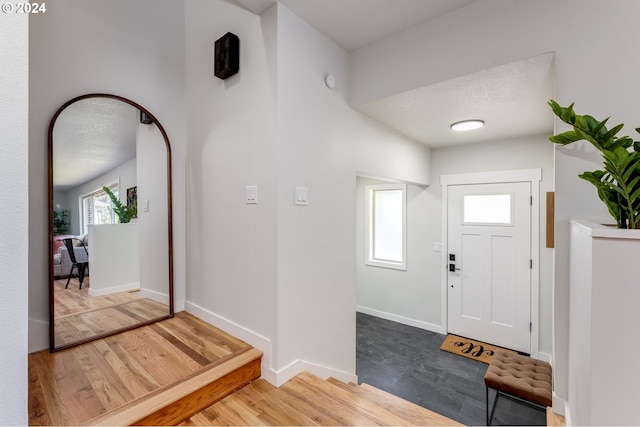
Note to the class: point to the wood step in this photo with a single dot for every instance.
(347, 406)
(407, 410)
(76, 385)
(174, 403)
(259, 403)
(309, 400)
(345, 386)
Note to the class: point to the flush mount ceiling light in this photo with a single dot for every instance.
(467, 125)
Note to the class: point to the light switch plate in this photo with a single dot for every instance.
(252, 194)
(301, 196)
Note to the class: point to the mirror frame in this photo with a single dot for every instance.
(52, 346)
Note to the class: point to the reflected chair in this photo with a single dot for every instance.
(81, 267)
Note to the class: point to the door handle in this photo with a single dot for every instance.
(452, 268)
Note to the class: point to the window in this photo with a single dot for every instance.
(386, 225)
(97, 208)
(494, 209)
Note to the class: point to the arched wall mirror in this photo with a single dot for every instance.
(109, 159)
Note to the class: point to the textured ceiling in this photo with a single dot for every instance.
(511, 99)
(90, 137)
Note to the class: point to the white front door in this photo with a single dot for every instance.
(489, 263)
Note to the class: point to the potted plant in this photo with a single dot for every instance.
(618, 183)
(60, 222)
(124, 212)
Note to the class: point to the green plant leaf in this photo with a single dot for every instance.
(125, 213)
(618, 185)
(566, 137)
(610, 198)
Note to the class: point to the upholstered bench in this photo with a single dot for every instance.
(519, 378)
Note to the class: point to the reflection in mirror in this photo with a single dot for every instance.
(108, 273)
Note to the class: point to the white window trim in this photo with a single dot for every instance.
(369, 260)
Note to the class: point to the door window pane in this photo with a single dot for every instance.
(487, 209)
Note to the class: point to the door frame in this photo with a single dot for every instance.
(533, 176)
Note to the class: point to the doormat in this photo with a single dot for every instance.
(471, 349)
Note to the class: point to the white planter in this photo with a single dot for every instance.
(114, 260)
(604, 325)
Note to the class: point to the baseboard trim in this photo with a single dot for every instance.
(298, 366)
(252, 338)
(155, 296)
(400, 319)
(38, 335)
(113, 289)
(545, 357)
(559, 406)
(264, 344)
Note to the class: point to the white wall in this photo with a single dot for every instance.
(474, 44)
(278, 276)
(153, 213)
(131, 49)
(322, 142)
(401, 296)
(384, 154)
(316, 271)
(231, 134)
(13, 218)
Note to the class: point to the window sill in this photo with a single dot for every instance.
(387, 264)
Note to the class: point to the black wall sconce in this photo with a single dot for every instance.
(227, 56)
(144, 118)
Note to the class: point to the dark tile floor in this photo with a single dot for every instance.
(408, 363)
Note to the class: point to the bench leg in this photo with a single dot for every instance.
(487, 405)
(493, 407)
(512, 397)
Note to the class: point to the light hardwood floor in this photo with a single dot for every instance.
(79, 315)
(72, 386)
(307, 400)
(554, 419)
(167, 374)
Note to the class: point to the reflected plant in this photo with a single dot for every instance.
(60, 222)
(124, 212)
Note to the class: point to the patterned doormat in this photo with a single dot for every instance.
(472, 349)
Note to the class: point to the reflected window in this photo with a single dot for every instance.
(97, 208)
(487, 209)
